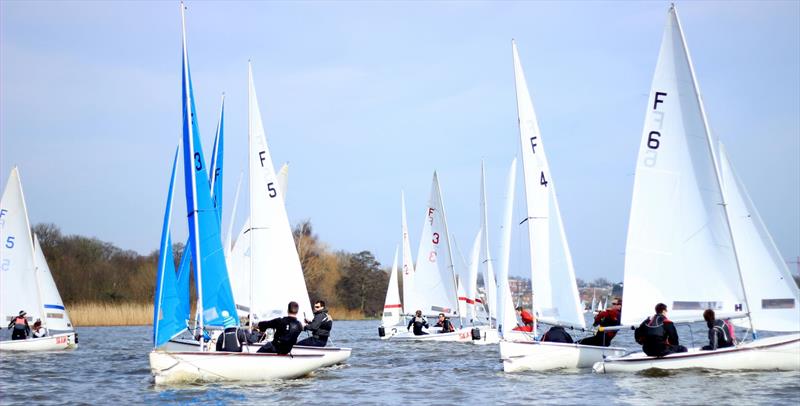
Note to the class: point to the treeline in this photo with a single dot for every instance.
(90, 270)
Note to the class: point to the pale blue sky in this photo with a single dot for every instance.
(367, 98)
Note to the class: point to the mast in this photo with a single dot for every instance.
(713, 154)
(449, 251)
(188, 116)
(250, 183)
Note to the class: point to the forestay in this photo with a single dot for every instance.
(555, 293)
(391, 306)
(276, 277)
(771, 291)
(434, 280)
(679, 250)
(18, 285)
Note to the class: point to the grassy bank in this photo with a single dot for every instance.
(140, 314)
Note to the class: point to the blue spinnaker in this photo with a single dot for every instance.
(204, 227)
(168, 317)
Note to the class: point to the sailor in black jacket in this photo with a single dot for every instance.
(287, 329)
(320, 327)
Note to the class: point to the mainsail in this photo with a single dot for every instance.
(679, 249)
(214, 291)
(392, 309)
(407, 262)
(273, 259)
(486, 260)
(434, 280)
(555, 293)
(507, 319)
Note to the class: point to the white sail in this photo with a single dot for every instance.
(771, 291)
(391, 306)
(486, 260)
(18, 285)
(472, 280)
(555, 294)
(465, 303)
(409, 299)
(55, 314)
(283, 179)
(679, 250)
(275, 271)
(228, 246)
(507, 319)
(434, 281)
(239, 269)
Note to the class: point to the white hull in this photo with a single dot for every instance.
(56, 342)
(331, 355)
(195, 366)
(520, 356)
(772, 353)
(463, 335)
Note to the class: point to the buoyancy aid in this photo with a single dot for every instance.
(654, 329)
(20, 323)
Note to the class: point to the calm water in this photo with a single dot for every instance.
(111, 365)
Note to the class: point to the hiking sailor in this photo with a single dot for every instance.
(658, 335)
(418, 322)
(287, 329)
(20, 325)
(320, 327)
(720, 332)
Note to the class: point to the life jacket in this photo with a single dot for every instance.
(724, 337)
(229, 340)
(654, 329)
(731, 331)
(20, 323)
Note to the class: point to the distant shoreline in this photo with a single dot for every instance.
(106, 314)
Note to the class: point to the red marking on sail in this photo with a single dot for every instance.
(394, 306)
(466, 299)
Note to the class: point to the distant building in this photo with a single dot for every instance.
(521, 292)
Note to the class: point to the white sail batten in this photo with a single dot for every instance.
(391, 306)
(273, 255)
(771, 290)
(679, 249)
(17, 268)
(555, 297)
(434, 282)
(55, 314)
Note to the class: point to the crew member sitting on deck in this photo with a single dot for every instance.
(527, 320)
(20, 325)
(658, 335)
(557, 334)
(445, 324)
(232, 338)
(418, 322)
(320, 327)
(720, 332)
(287, 329)
(606, 318)
(38, 331)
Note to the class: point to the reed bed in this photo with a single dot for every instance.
(87, 314)
(110, 314)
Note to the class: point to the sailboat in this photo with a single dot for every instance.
(431, 285)
(692, 220)
(214, 295)
(555, 293)
(25, 279)
(392, 308)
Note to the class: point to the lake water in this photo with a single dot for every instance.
(111, 366)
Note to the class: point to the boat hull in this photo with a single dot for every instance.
(56, 342)
(197, 366)
(463, 335)
(772, 353)
(518, 356)
(331, 355)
